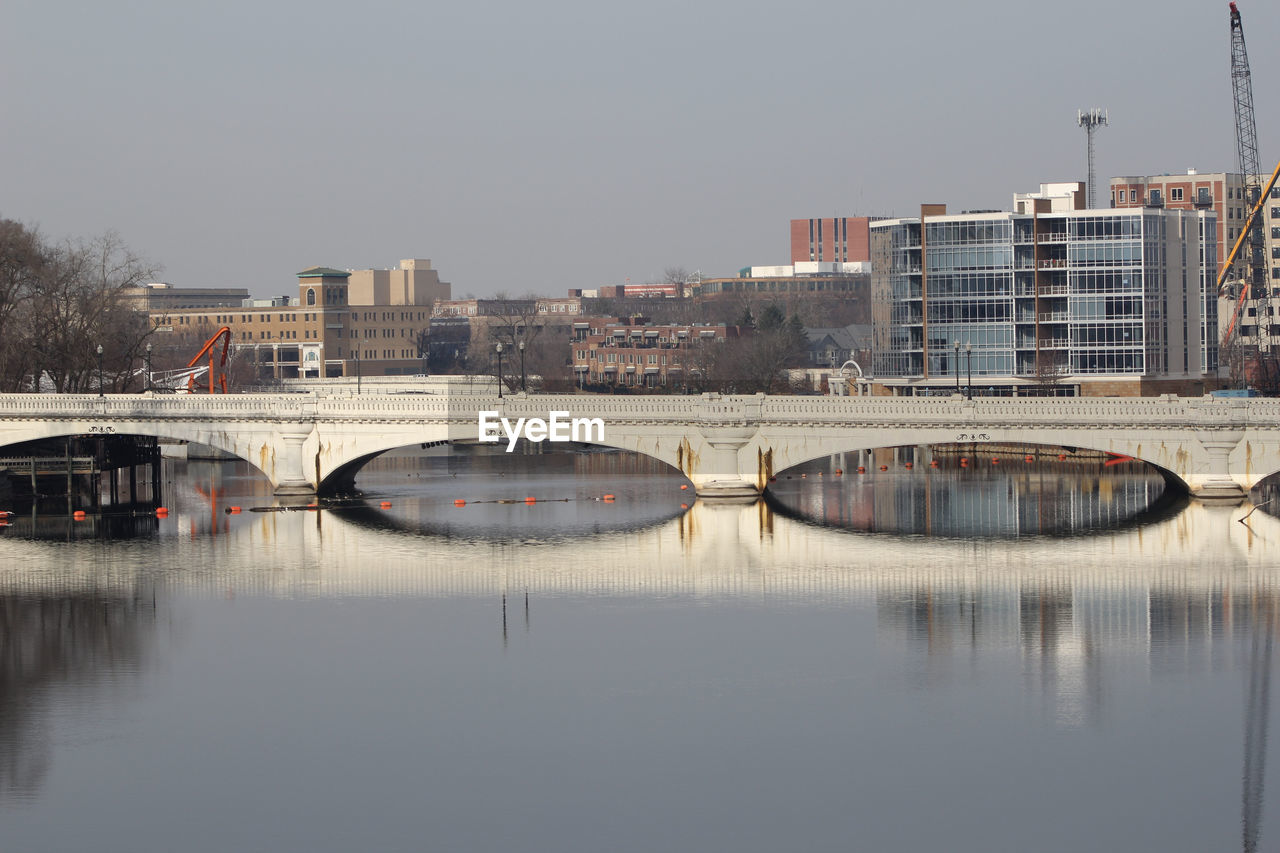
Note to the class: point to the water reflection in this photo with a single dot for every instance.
(1009, 497)
(58, 649)
(755, 655)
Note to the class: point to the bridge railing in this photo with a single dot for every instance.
(655, 409)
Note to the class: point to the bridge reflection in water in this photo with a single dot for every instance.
(1178, 594)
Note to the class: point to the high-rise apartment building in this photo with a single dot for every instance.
(1221, 192)
(1067, 302)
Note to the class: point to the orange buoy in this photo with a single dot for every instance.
(884, 467)
(933, 463)
(964, 460)
(684, 506)
(908, 465)
(804, 476)
(1030, 458)
(385, 504)
(313, 506)
(684, 486)
(608, 497)
(964, 463)
(862, 469)
(1062, 457)
(162, 512)
(995, 461)
(235, 510)
(459, 502)
(78, 515)
(531, 500)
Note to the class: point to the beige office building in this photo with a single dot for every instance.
(342, 323)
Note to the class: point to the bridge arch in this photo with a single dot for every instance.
(797, 460)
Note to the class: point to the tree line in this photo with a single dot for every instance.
(61, 301)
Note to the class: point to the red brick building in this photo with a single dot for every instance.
(608, 351)
(841, 239)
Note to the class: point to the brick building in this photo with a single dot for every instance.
(342, 323)
(839, 239)
(608, 351)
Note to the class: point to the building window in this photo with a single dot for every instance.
(1175, 194)
(1122, 196)
(311, 296)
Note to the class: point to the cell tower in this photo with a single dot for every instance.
(1091, 120)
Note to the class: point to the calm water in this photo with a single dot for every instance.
(1030, 656)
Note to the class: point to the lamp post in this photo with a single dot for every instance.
(521, 347)
(100, 392)
(148, 365)
(357, 357)
(499, 348)
(968, 357)
(955, 365)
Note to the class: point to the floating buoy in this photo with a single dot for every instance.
(162, 512)
(608, 497)
(385, 504)
(964, 460)
(862, 469)
(78, 515)
(531, 500)
(839, 472)
(684, 486)
(908, 465)
(1062, 457)
(459, 502)
(964, 463)
(884, 467)
(1030, 458)
(933, 463)
(234, 510)
(804, 476)
(995, 461)
(313, 506)
(684, 506)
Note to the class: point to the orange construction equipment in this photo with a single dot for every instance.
(207, 349)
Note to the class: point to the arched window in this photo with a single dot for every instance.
(311, 296)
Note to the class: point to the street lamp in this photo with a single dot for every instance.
(955, 365)
(968, 357)
(521, 346)
(499, 348)
(357, 357)
(100, 393)
(148, 365)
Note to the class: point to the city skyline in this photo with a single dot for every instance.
(535, 149)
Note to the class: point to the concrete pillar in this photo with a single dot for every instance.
(1217, 484)
(290, 471)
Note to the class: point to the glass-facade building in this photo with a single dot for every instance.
(1069, 302)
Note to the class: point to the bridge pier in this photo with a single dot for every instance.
(291, 478)
(720, 475)
(1217, 485)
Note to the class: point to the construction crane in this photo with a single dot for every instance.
(215, 379)
(1247, 149)
(1254, 279)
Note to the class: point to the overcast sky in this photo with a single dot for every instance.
(534, 147)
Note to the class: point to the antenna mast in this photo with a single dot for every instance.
(1091, 120)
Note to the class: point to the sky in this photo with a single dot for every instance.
(536, 147)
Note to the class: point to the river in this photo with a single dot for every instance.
(1027, 655)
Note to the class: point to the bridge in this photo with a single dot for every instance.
(728, 446)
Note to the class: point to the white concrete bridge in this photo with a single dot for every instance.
(726, 445)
